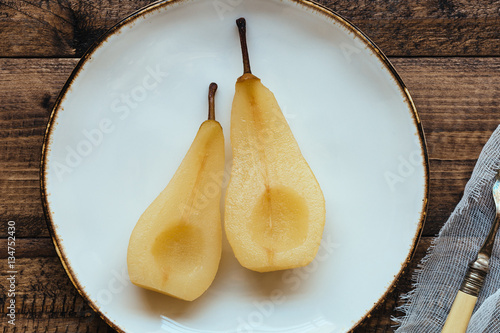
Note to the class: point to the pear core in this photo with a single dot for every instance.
(279, 220)
(274, 206)
(179, 247)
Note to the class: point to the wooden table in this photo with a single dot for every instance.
(445, 50)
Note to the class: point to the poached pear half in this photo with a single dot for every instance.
(175, 247)
(274, 207)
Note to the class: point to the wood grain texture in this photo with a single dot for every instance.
(30, 248)
(86, 322)
(66, 28)
(28, 89)
(428, 27)
(58, 28)
(457, 101)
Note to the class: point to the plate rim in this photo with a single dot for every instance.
(163, 5)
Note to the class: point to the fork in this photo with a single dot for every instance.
(465, 300)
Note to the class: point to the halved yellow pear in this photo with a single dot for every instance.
(175, 247)
(274, 206)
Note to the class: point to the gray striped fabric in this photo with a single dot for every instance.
(442, 270)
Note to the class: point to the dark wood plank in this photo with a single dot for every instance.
(58, 28)
(46, 301)
(30, 248)
(28, 89)
(453, 95)
(66, 28)
(86, 322)
(42, 286)
(456, 99)
(428, 27)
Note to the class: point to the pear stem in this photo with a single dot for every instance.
(211, 100)
(242, 29)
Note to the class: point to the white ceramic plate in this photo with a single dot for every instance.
(130, 110)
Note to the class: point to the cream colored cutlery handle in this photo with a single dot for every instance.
(460, 313)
